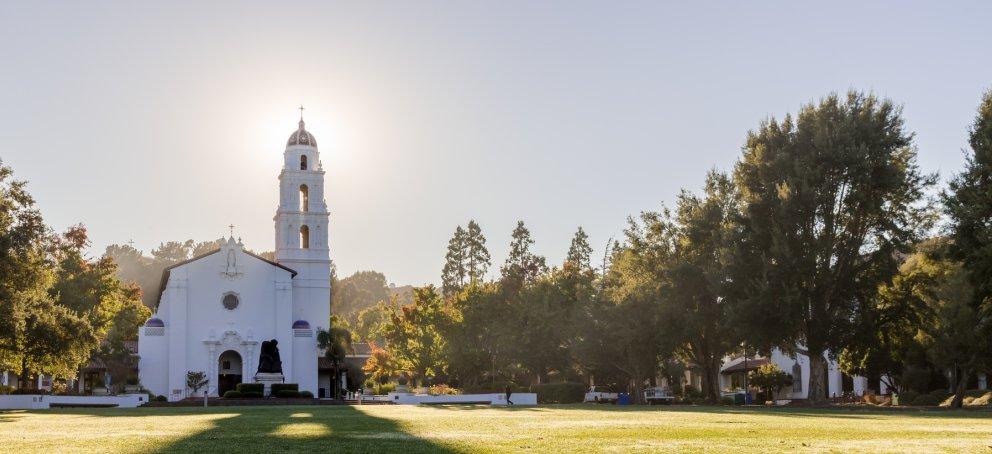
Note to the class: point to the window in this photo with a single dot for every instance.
(230, 301)
(797, 378)
(303, 162)
(304, 237)
(304, 198)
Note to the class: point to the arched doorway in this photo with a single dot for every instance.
(228, 371)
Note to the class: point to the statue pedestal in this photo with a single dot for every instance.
(268, 378)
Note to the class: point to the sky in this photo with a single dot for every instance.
(158, 121)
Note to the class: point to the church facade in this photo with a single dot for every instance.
(215, 310)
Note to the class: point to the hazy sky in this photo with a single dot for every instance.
(155, 122)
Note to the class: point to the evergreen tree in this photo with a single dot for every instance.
(476, 255)
(579, 252)
(453, 274)
(968, 204)
(521, 264)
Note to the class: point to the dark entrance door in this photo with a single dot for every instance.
(228, 372)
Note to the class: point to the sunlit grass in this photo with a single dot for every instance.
(474, 429)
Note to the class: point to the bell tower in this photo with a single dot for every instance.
(301, 223)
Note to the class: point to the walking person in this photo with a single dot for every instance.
(508, 392)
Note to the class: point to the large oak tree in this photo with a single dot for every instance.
(830, 198)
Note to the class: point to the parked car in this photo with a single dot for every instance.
(600, 397)
(658, 396)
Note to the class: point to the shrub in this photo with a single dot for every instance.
(287, 393)
(727, 400)
(907, 397)
(245, 388)
(161, 399)
(489, 387)
(276, 387)
(559, 393)
(232, 394)
(770, 379)
(442, 390)
(927, 400)
(383, 389)
(306, 394)
(29, 392)
(6, 389)
(253, 394)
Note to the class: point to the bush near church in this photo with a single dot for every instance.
(277, 387)
(306, 394)
(287, 393)
(251, 389)
(232, 394)
(559, 393)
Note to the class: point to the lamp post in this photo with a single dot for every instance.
(744, 345)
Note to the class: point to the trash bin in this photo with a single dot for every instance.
(739, 399)
(623, 399)
(748, 399)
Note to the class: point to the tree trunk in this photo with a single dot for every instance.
(959, 387)
(710, 380)
(817, 393)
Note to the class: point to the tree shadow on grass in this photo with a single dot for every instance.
(803, 412)
(304, 428)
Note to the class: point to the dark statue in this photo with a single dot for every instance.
(269, 361)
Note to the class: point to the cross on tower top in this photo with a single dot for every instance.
(301, 112)
(232, 229)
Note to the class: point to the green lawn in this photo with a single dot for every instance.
(459, 429)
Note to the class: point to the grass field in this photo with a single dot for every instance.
(397, 428)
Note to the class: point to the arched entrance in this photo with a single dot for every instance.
(228, 371)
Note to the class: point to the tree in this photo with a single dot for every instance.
(361, 290)
(696, 308)
(769, 379)
(37, 336)
(196, 380)
(624, 332)
(336, 344)
(579, 252)
(454, 272)
(968, 203)
(954, 330)
(476, 254)
(415, 334)
(373, 322)
(829, 201)
(521, 265)
(23, 270)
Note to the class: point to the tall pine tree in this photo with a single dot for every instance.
(579, 252)
(476, 254)
(453, 274)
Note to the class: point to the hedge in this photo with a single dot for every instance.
(306, 394)
(559, 393)
(276, 387)
(287, 393)
(907, 397)
(246, 388)
(161, 398)
(253, 395)
(486, 388)
(927, 400)
(232, 394)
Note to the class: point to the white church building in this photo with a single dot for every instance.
(215, 310)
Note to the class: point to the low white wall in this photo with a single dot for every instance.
(36, 402)
(122, 400)
(24, 402)
(498, 399)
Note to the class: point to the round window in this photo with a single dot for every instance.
(230, 301)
